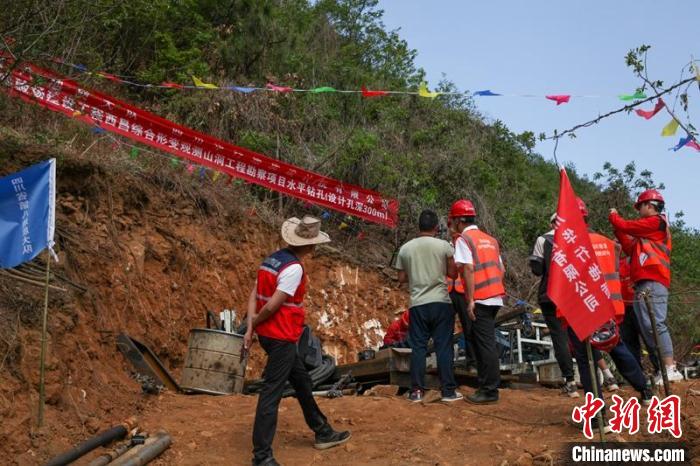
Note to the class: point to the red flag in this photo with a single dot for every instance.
(366, 93)
(172, 85)
(559, 99)
(576, 282)
(272, 87)
(647, 114)
(694, 145)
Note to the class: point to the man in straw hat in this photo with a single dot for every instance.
(276, 314)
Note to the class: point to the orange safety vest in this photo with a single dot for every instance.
(608, 254)
(654, 258)
(488, 270)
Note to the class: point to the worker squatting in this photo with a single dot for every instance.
(465, 278)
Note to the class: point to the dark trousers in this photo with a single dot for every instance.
(459, 303)
(560, 340)
(629, 331)
(283, 363)
(631, 336)
(436, 320)
(483, 334)
(624, 361)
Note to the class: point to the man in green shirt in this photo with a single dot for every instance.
(423, 262)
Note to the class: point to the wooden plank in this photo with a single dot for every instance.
(365, 369)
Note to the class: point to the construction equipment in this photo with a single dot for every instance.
(153, 374)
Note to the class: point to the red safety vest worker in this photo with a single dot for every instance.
(647, 241)
(288, 322)
(488, 270)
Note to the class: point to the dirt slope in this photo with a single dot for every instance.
(154, 253)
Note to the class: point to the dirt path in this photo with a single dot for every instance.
(526, 425)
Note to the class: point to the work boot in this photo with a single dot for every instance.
(570, 389)
(456, 396)
(671, 372)
(481, 398)
(329, 438)
(645, 396)
(416, 396)
(610, 384)
(269, 461)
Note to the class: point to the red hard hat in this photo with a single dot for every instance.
(606, 337)
(649, 195)
(462, 208)
(582, 206)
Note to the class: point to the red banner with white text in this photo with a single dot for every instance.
(52, 91)
(576, 282)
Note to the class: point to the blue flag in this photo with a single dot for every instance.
(682, 142)
(27, 213)
(486, 93)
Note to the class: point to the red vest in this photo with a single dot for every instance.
(626, 281)
(287, 323)
(608, 254)
(488, 271)
(652, 259)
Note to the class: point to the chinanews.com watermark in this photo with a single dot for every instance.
(628, 453)
(661, 416)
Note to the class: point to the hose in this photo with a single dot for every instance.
(99, 440)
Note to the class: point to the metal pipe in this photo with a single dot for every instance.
(111, 455)
(142, 454)
(99, 440)
(652, 318)
(594, 380)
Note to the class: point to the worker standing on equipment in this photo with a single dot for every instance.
(479, 256)
(423, 262)
(276, 314)
(539, 264)
(648, 243)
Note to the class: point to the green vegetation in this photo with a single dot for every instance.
(426, 153)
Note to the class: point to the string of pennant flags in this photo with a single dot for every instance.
(423, 91)
(669, 129)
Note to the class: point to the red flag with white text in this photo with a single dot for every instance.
(576, 282)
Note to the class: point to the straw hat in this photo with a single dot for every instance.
(303, 232)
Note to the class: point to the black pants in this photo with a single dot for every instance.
(631, 336)
(459, 303)
(483, 334)
(283, 363)
(560, 340)
(436, 320)
(621, 356)
(630, 333)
